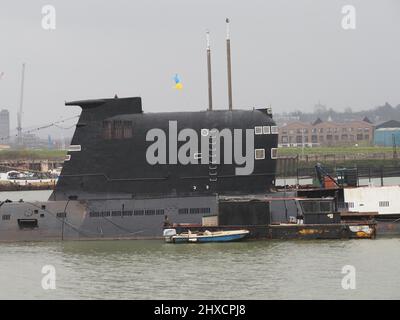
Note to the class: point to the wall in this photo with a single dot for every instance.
(384, 137)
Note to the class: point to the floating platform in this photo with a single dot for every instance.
(293, 231)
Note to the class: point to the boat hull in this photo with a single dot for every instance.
(227, 236)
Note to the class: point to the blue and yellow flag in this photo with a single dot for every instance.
(178, 82)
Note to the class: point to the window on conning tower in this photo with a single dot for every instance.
(127, 129)
(259, 154)
(117, 129)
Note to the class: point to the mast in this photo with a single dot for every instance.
(21, 103)
(209, 71)
(228, 58)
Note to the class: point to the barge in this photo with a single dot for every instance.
(314, 219)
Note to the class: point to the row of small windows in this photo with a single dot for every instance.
(329, 137)
(259, 154)
(381, 204)
(117, 129)
(322, 130)
(58, 214)
(127, 213)
(194, 210)
(265, 130)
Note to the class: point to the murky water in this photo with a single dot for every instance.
(155, 270)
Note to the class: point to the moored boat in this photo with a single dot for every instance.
(206, 236)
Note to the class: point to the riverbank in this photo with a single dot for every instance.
(344, 150)
(384, 152)
(14, 155)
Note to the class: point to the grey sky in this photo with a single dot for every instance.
(288, 54)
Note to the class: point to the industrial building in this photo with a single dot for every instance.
(387, 134)
(326, 133)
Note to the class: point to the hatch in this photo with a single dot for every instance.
(27, 223)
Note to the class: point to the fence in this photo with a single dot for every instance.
(304, 166)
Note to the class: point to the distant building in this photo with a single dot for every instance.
(387, 134)
(32, 141)
(325, 133)
(4, 126)
(282, 119)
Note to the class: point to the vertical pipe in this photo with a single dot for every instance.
(228, 58)
(209, 71)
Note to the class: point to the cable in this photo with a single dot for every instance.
(122, 228)
(52, 124)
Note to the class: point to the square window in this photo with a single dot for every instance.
(258, 130)
(274, 129)
(274, 153)
(266, 129)
(259, 154)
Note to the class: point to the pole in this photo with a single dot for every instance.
(228, 58)
(21, 103)
(209, 71)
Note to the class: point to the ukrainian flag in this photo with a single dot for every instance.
(178, 82)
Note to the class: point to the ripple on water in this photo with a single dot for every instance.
(155, 270)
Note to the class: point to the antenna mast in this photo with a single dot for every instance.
(228, 57)
(209, 71)
(21, 103)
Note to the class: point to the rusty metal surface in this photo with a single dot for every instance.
(293, 231)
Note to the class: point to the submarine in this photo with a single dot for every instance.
(128, 172)
(110, 189)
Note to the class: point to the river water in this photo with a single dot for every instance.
(156, 270)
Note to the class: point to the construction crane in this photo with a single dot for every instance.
(21, 103)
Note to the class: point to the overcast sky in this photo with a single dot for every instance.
(288, 54)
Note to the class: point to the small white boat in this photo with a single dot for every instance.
(206, 236)
(26, 178)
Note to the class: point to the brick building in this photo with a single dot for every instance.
(326, 133)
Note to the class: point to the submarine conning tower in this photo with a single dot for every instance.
(118, 150)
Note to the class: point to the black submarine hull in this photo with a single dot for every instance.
(108, 188)
(108, 164)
